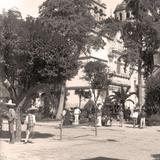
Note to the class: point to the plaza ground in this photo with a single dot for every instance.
(79, 143)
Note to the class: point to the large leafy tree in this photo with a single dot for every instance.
(38, 52)
(147, 13)
(71, 20)
(141, 43)
(20, 70)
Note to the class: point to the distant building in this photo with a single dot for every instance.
(122, 13)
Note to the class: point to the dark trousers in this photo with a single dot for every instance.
(134, 122)
(11, 131)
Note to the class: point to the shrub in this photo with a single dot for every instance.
(154, 120)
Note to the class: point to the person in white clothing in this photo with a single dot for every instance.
(77, 112)
(135, 117)
(30, 122)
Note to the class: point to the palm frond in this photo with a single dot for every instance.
(130, 100)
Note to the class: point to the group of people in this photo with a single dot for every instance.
(105, 117)
(71, 115)
(137, 117)
(74, 116)
(30, 121)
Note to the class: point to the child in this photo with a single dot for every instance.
(30, 121)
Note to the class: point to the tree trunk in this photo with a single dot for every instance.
(140, 83)
(123, 106)
(80, 100)
(61, 102)
(96, 95)
(18, 125)
(18, 119)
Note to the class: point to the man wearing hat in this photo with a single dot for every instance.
(11, 119)
(30, 121)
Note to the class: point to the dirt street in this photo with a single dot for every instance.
(79, 143)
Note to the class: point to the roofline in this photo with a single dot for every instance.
(118, 10)
(119, 75)
(88, 57)
(88, 87)
(101, 5)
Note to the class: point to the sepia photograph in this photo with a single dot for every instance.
(79, 79)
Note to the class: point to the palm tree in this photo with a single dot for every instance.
(122, 95)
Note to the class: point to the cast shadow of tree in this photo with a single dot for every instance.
(156, 156)
(5, 134)
(102, 158)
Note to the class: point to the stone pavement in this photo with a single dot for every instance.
(79, 143)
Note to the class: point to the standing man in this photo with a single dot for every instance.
(11, 119)
(76, 115)
(30, 121)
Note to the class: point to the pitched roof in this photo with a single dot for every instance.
(120, 7)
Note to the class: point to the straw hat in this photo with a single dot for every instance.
(10, 103)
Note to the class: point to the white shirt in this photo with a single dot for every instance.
(64, 112)
(34, 119)
(77, 111)
(135, 115)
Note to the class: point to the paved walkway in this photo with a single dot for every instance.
(79, 143)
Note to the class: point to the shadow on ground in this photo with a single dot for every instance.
(156, 156)
(5, 134)
(102, 158)
(89, 138)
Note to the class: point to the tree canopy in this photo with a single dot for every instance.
(144, 30)
(140, 41)
(147, 13)
(45, 50)
(121, 96)
(97, 75)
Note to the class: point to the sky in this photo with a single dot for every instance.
(26, 7)
(30, 7)
(111, 5)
